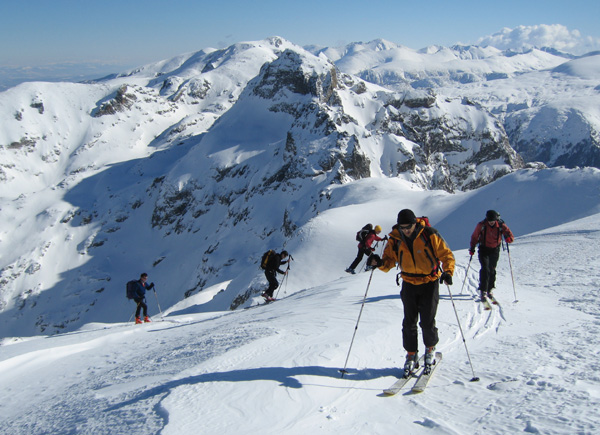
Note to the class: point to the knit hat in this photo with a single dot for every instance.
(377, 229)
(406, 217)
(492, 215)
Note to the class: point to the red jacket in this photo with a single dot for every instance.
(371, 237)
(489, 236)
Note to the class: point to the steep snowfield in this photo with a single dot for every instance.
(274, 369)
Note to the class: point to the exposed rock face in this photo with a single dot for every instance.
(301, 118)
(120, 103)
(555, 136)
(545, 100)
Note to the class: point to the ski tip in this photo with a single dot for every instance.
(475, 379)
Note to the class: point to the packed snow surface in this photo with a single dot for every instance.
(274, 369)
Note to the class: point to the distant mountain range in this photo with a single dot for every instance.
(192, 165)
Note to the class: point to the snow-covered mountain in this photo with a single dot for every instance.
(190, 168)
(546, 100)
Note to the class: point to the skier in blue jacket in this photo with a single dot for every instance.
(140, 298)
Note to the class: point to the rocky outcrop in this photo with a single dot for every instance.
(555, 136)
(121, 102)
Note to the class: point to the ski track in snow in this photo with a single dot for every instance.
(274, 369)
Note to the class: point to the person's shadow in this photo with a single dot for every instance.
(285, 376)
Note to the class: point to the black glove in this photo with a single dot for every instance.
(151, 286)
(446, 278)
(385, 238)
(375, 260)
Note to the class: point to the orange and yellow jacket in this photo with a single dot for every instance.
(420, 265)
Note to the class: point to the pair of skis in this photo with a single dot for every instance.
(260, 304)
(422, 374)
(486, 302)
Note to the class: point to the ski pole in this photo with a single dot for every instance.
(511, 273)
(474, 378)
(366, 268)
(343, 371)
(382, 247)
(137, 304)
(161, 314)
(285, 279)
(466, 274)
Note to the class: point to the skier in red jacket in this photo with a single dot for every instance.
(488, 234)
(364, 247)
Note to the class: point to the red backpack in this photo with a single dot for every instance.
(424, 220)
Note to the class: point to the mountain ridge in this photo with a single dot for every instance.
(190, 172)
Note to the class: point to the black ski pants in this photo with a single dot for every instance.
(488, 258)
(141, 305)
(362, 251)
(271, 276)
(420, 301)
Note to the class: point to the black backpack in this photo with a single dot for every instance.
(363, 233)
(265, 259)
(131, 293)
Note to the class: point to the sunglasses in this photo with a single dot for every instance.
(405, 227)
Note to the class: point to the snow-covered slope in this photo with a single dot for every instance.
(274, 369)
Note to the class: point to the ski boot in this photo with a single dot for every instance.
(411, 363)
(485, 300)
(147, 319)
(138, 320)
(351, 271)
(267, 297)
(429, 359)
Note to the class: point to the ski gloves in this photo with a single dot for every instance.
(375, 260)
(446, 278)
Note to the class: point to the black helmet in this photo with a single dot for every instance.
(492, 215)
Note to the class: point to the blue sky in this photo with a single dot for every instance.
(132, 32)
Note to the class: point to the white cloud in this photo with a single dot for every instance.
(544, 35)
